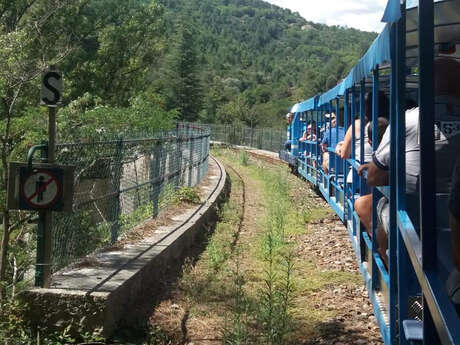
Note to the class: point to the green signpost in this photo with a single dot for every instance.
(43, 187)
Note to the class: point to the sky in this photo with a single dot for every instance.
(359, 14)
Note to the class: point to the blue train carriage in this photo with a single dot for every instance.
(410, 74)
(296, 126)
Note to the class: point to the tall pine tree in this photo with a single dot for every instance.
(185, 92)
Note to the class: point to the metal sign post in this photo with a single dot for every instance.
(51, 97)
(43, 187)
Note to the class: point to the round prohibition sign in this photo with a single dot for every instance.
(41, 189)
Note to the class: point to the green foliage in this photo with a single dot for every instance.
(188, 195)
(238, 333)
(156, 336)
(14, 329)
(277, 255)
(129, 220)
(258, 56)
(238, 111)
(183, 87)
(244, 157)
(223, 241)
(86, 119)
(120, 40)
(218, 249)
(64, 337)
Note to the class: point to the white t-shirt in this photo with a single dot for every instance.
(381, 157)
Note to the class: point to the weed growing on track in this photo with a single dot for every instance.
(220, 244)
(244, 158)
(238, 332)
(276, 254)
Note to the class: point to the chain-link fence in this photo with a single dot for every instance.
(269, 139)
(120, 183)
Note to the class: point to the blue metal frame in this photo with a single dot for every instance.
(413, 259)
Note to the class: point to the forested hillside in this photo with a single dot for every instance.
(256, 59)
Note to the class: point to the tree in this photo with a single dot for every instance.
(238, 110)
(30, 39)
(108, 44)
(119, 41)
(184, 89)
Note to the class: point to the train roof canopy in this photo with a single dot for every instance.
(446, 32)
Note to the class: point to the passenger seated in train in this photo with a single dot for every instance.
(336, 134)
(309, 133)
(343, 149)
(363, 205)
(377, 175)
(447, 73)
(288, 142)
(453, 283)
(304, 134)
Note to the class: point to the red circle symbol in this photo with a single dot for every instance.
(41, 189)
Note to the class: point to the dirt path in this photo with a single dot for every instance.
(329, 303)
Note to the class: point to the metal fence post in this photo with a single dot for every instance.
(163, 159)
(190, 171)
(163, 164)
(260, 139)
(205, 159)
(180, 139)
(138, 196)
(155, 174)
(200, 157)
(117, 171)
(171, 161)
(271, 140)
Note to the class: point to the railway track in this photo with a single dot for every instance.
(243, 206)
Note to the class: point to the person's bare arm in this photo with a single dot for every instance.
(346, 145)
(347, 141)
(304, 136)
(375, 175)
(338, 148)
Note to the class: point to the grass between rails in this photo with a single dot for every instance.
(252, 285)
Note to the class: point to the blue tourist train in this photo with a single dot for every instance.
(381, 147)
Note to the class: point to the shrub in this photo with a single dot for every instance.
(187, 195)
